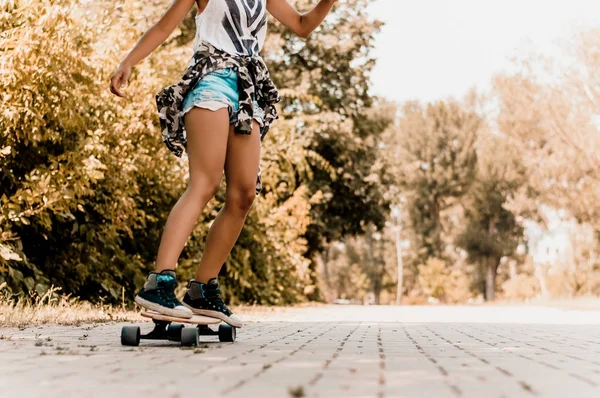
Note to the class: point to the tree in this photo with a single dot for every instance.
(358, 267)
(438, 164)
(340, 122)
(73, 162)
(492, 232)
(551, 113)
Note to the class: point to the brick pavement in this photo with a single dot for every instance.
(322, 352)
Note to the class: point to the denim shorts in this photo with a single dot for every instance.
(218, 89)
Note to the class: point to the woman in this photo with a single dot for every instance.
(218, 112)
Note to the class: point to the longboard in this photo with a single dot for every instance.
(194, 320)
(172, 329)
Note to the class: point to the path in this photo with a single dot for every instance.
(323, 352)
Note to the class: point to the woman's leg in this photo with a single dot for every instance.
(206, 148)
(207, 136)
(241, 169)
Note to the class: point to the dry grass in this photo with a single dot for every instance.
(55, 308)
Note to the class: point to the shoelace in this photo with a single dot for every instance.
(171, 296)
(168, 292)
(214, 295)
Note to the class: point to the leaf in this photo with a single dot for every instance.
(8, 254)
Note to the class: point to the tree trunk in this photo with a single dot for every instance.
(323, 261)
(540, 274)
(490, 278)
(376, 294)
(492, 267)
(371, 264)
(399, 260)
(380, 261)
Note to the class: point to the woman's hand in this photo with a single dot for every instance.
(119, 78)
(154, 37)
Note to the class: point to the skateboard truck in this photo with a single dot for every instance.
(165, 329)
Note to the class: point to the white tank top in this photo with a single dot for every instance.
(238, 27)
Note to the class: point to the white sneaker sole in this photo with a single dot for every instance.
(235, 322)
(177, 312)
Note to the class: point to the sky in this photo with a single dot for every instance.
(434, 49)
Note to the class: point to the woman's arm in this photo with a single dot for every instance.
(154, 37)
(301, 24)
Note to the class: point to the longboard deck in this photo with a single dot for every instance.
(195, 319)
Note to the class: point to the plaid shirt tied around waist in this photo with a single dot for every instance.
(253, 81)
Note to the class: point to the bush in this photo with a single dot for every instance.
(87, 183)
(437, 280)
(521, 287)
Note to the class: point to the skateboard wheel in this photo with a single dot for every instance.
(174, 331)
(189, 337)
(130, 335)
(226, 333)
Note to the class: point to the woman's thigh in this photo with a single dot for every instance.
(207, 136)
(241, 164)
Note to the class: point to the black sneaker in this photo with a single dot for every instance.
(204, 299)
(158, 294)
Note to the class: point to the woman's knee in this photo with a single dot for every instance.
(204, 187)
(240, 199)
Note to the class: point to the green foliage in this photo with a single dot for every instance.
(357, 268)
(550, 108)
(331, 118)
(469, 181)
(59, 219)
(491, 229)
(334, 62)
(87, 183)
(438, 164)
(333, 66)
